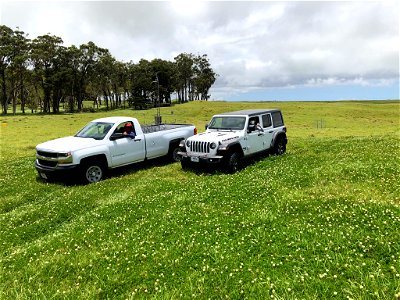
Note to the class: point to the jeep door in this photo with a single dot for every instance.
(268, 130)
(255, 137)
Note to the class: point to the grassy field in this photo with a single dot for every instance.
(320, 222)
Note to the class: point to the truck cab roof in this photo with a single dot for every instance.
(113, 119)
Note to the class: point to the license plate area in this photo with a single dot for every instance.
(194, 159)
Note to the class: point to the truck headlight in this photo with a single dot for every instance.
(64, 158)
(213, 145)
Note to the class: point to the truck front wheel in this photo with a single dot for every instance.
(92, 171)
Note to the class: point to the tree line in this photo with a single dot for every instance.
(43, 75)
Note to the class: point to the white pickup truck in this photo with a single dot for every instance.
(233, 136)
(102, 145)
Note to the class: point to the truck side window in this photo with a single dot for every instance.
(121, 127)
(266, 119)
(277, 118)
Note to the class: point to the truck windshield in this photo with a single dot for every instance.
(95, 130)
(227, 123)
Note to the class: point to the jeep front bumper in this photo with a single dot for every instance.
(200, 158)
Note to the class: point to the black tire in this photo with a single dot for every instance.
(233, 163)
(173, 153)
(92, 171)
(280, 146)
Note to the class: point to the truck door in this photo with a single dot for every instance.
(255, 137)
(127, 150)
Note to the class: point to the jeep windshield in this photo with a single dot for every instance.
(227, 123)
(95, 130)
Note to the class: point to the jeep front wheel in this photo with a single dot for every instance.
(233, 163)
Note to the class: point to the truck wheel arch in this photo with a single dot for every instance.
(174, 148)
(93, 168)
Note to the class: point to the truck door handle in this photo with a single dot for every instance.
(137, 140)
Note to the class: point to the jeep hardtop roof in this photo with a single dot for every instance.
(250, 112)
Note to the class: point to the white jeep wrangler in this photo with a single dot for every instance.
(233, 136)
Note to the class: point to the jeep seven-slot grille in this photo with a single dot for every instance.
(201, 147)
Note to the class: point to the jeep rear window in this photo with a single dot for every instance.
(266, 119)
(227, 123)
(277, 118)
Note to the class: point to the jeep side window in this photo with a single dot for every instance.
(253, 121)
(266, 119)
(277, 118)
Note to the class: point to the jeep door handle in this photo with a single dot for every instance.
(270, 131)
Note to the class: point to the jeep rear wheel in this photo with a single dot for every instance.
(280, 146)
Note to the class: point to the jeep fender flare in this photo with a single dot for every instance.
(230, 148)
(276, 136)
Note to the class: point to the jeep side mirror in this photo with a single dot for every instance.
(251, 128)
(206, 126)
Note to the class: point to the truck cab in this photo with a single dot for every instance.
(233, 136)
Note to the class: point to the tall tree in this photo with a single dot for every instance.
(44, 53)
(6, 35)
(184, 73)
(89, 56)
(204, 77)
(18, 68)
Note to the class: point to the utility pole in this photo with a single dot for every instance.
(157, 118)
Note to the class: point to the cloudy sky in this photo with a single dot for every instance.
(262, 50)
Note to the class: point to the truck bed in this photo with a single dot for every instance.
(161, 127)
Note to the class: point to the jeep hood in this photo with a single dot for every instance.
(67, 144)
(216, 136)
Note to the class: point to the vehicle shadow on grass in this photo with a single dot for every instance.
(75, 180)
(210, 170)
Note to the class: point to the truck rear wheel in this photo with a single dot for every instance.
(92, 171)
(173, 152)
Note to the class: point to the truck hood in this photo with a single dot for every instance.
(216, 136)
(67, 144)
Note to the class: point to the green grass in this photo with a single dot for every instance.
(320, 222)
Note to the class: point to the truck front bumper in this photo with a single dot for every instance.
(200, 159)
(46, 172)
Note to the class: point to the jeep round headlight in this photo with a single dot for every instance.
(188, 144)
(213, 145)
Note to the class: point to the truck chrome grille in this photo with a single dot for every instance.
(47, 163)
(47, 154)
(201, 147)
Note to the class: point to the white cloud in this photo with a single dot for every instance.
(250, 45)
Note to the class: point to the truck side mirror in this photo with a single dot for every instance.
(116, 136)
